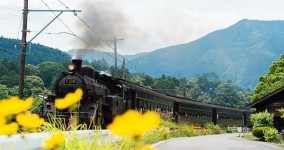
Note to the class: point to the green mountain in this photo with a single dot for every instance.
(241, 53)
(35, 53)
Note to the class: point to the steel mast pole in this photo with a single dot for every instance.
(115, 59)
(23, 51)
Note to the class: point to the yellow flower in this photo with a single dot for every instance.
(54, 141)
(133, 124)
(2, 121)
(14, 105)
(29, 120)
(9, 129)
(147, 147)
(69, 99)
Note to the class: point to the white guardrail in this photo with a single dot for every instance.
(34, 141)
(241, 130)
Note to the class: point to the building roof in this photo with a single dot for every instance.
(265, 99)
(176, 98)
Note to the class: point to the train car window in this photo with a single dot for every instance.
(114, 106)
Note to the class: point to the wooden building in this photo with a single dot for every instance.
(271, 102)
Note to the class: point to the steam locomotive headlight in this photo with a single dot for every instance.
(71, 67)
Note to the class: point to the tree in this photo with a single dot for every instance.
(100, 64)
(34, 86)
(147, 81)
(13, 91)
(165, 85)
(226, 94)
(4, 92)
(48, 70)
(273, 80)
(31, 70)
(9, 72)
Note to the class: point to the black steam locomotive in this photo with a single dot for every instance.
(104, 97)
(98, 94)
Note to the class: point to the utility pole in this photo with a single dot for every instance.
(115, 56)
(23, 51)
(24, 41)
(123, 68)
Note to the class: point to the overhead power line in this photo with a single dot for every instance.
(100, 37)
(72, 33)
(17, 54)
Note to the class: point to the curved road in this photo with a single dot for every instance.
(214, 142)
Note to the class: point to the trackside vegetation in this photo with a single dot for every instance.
(137, 131)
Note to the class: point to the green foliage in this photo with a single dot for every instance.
(35, 53)
(4, 92)
(35, 86)
(259, 132)
(100, 64)
(226, 93)
(215, 128)
(156, 135)
(272, 81)
(49, 70)
(9, 72)
(210, 89)
(165, 85)
(147, 80)
(168, 124)
(262, 119)
(206, 88)
(35, 108)
(185, 131)
(271, 135)
(281, 110)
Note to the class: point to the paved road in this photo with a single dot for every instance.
(214, 142)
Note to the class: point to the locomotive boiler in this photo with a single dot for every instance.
(97, 103)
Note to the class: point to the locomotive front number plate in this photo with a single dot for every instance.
(70, 81)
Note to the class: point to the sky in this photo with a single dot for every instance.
(142, 25)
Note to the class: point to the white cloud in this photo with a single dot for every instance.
(155, 23)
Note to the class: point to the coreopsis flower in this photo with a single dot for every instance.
(29, 120)
(54, 141)
(14, 105)
(146, 147)
(133, 124)
(2, 121)
(9, 129)
(69, 100)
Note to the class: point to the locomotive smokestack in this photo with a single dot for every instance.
(78, 63)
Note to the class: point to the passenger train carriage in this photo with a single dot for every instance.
(105, 97)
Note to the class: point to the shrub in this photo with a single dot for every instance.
(259, 132)
(215, 128)
(262, 119)
(168, 124)
(271, 135)
(209, 125)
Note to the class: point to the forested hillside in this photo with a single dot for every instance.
(40, 80)
(35, 53)
(206, 88)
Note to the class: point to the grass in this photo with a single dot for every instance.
(167, 130)
(251, 137)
